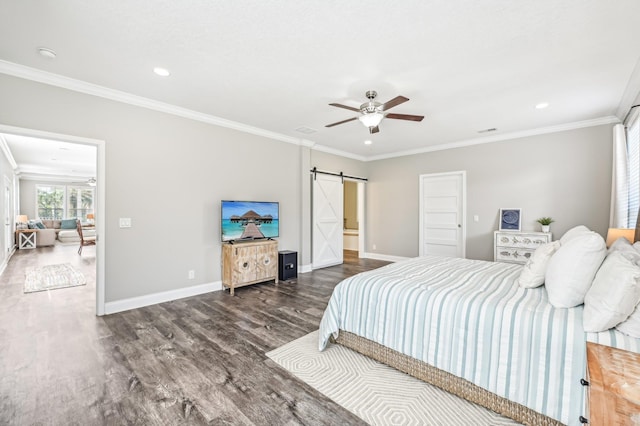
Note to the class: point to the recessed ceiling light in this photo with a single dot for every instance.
(542, 105)
(162, 72)
(368, 142)
(46, 52)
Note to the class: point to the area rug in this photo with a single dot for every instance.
(51, 277)
(378, 394)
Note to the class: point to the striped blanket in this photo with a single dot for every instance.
(471, 319)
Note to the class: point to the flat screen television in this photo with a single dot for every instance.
(249, 220)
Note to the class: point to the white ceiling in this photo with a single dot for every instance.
(466, 65)
(51, 160)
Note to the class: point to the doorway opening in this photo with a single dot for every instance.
(71, 183)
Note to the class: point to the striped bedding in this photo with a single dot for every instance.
(470, 318)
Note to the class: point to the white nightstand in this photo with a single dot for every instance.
(517, 247)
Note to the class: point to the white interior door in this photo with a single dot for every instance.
(442, 214)
(8, 218)
(327, 220)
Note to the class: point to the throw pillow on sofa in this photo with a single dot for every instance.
(68, 224)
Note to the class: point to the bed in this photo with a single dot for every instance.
(467, 326)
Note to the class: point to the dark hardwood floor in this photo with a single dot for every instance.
(199, 360)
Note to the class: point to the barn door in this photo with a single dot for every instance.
(327, 220)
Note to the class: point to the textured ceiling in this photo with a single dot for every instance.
(465, 65)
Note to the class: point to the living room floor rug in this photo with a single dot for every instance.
(377, 393)
(51, 277)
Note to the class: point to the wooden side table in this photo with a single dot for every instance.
(26, 238)
(614, 385)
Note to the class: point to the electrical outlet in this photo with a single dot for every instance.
(125, 222)
(373, 246)
(192, 274)
(476, 218)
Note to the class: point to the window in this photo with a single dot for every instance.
(50, 201)
(79, 202)
(64, 202)
(633, 155)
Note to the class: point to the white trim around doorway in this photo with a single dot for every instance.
(100, 192)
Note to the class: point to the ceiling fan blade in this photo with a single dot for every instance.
(341, 122)
(345, 107)
(405, 117)
(373, 130)
(394, 102)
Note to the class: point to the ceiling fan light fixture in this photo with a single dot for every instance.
(371, 119)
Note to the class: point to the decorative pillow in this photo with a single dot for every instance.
(631, 326)
(48, 223)
(68, 224)
(57, 223)
(40, 225)
(573, 233)
(572, 268)
(532, 274)
(621, 244)
(614, 294)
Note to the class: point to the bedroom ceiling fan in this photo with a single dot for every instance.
(372, 112)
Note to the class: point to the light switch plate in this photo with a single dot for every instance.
(125, 222)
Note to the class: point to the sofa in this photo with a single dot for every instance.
(64, 231)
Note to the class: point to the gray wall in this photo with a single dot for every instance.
(565, 175)
(168, 174)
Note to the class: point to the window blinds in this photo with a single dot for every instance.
(633, 155)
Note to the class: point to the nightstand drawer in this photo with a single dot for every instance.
(513, 254)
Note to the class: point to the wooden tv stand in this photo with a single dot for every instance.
(249, 263)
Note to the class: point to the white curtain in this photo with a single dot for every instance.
(619, 215)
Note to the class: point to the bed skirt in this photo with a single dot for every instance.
(446, 381)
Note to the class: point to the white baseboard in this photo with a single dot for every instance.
(155, 298)
(387, 257)
(305, 268)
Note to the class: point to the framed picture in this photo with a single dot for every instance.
(510, 219)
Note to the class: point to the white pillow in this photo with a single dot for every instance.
(532, 274)
(614, 294)
(572, 268)
(631, 325)
(573, 233)
(621, 244)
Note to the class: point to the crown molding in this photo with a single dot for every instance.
(498, 138)
(338, 152)
(40, 76)
(57, 80)
(4, 146)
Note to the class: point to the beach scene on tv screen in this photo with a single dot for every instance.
(245, 220)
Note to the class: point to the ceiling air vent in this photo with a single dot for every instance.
(306, 130)
(493, 129)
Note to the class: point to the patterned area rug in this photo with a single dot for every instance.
(378, 394)
(52, 277)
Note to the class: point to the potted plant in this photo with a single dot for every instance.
(545, 222)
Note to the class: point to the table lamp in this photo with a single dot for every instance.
(614, 233)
